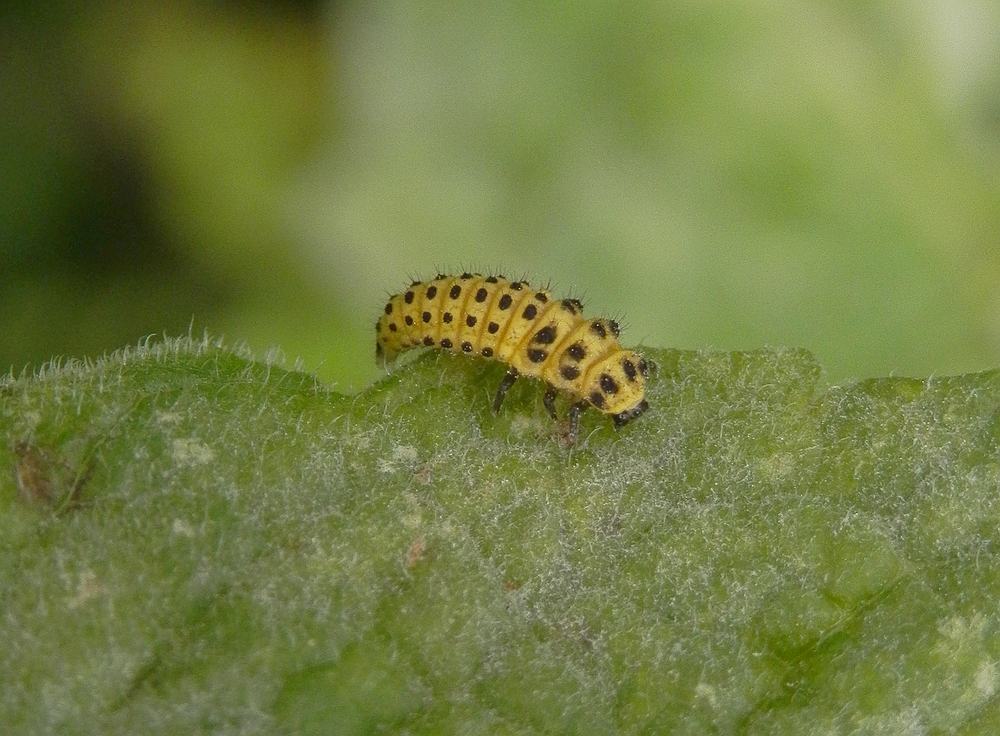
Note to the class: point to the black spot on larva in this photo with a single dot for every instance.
(408, 297)
(569, 372)
(426, 316)
(456, 290)
(417, 283)
(481, 295)
(487, 352)
(432, 291)
(576, 351)
(439, 277)
(446, 318)
(446, 344)
(516, 285)
(491, 279)
(644, 368)
(392, 326)
(428, 340)
(540, 296)
(409, 321)
(597, 399)
(470, 321)
(568, 305)
(615, 329)
(466, 347)
(388, 308)
(466, 276)
(492, 328)
(598, 329)
(536, 355)
(505, 302)
(629, 369)
(545, 336)
(608, 384)
(530, 312)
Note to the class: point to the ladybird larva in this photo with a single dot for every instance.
(524, 327)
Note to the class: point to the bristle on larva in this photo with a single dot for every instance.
(534, 334)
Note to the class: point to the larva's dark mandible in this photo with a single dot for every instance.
(534, 334)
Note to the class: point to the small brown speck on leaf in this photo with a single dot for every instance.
(44, 480)
(415, 553)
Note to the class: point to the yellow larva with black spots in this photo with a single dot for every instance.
(534, 334)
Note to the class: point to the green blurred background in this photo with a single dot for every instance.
(815, 174)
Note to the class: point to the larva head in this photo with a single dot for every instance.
(617, 385)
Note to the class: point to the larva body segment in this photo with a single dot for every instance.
(534, 334)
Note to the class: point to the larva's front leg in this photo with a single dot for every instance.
(550, 401)
(574, 421)
(505, 384)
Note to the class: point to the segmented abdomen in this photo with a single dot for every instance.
(526, 328)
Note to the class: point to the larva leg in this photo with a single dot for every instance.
(550, 401)
(574, 420)
(505, 384)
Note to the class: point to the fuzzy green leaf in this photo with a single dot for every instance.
(196, 542)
